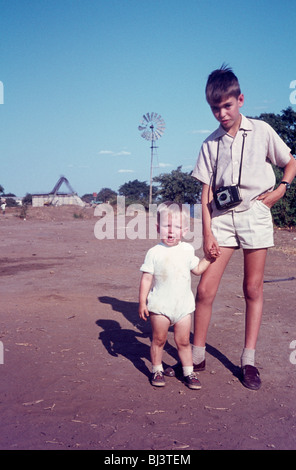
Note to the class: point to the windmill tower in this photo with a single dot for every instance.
(152, 128)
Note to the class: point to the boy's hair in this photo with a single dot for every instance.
(221, 84)
(173, 208)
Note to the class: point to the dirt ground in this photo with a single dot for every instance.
(75, 371)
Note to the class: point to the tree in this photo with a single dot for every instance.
(10, 201)
(106, 194)
(27, 199)
(284, 211)
(178, 186)
(136, 192)
(87, 198)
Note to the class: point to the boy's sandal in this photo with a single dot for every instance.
(251, 377)
(199, 367)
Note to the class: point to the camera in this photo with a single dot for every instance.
(227, 197)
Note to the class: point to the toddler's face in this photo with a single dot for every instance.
(170, 229)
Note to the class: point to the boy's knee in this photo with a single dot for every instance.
(204, 293)
(253, 290)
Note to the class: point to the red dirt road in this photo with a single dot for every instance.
(76, 355)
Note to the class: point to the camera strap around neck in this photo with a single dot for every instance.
(241, 162)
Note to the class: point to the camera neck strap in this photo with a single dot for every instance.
(241, 162)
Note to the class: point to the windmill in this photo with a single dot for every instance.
(152, 128)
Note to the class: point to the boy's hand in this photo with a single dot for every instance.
(271, 197)
(211, 247)
(143, 311)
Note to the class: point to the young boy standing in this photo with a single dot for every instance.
(171, 301)
(234, 165)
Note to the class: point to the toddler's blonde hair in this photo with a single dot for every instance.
(173, 208)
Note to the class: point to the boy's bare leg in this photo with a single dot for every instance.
(254, 263)
(206, 292)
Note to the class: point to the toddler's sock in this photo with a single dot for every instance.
(187, 370)
(198, 354)
(157, 368)
(248, 357)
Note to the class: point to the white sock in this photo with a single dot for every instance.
(157, 368)
(248, 357)
(187, 370)
(198, 354)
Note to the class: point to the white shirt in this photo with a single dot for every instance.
(171, 294)
(262, 148)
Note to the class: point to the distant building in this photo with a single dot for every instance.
(57, 198)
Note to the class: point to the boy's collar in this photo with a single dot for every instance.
(244, 125)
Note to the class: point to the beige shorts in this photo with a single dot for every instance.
(250, 229)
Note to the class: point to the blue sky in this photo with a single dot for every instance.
(78, 75)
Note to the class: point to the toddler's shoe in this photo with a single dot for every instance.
(157, 379)
(192, 381)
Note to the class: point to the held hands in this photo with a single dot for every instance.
(211, 248)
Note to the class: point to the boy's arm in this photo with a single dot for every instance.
(270, 198)
(211, 246)
(145, 286)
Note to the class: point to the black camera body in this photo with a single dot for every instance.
(227, 197)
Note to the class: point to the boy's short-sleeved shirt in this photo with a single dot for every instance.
(263, 147)
(171, 294)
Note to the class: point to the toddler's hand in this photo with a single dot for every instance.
(214, 252)
(143, 312)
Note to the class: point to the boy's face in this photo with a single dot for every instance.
(170, 229)
(227, 112)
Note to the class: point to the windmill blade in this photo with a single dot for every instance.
(161, 127)
(152, 126)
(158, 135)
(147, 135)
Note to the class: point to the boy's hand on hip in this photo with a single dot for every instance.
(271, 197)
